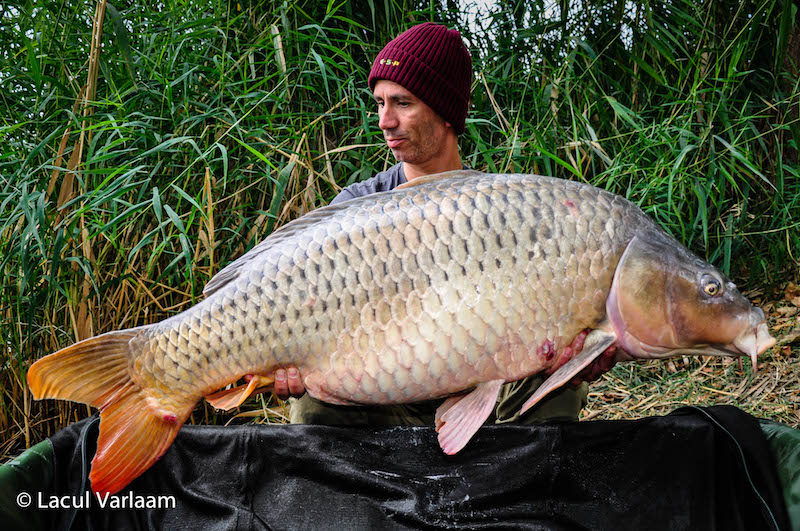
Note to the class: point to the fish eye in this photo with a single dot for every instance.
(711, 286)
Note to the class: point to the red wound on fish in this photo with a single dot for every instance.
(574, 348)
(573, 210)
(594, 345)
(546, 350)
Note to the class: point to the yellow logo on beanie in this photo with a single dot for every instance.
(389, 62)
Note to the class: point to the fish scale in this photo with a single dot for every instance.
(428, 255)
(452, 282)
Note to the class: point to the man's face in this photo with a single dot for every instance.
(413, 131)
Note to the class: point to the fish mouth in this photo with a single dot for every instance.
(753, 342)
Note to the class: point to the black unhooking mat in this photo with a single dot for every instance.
(695, 469)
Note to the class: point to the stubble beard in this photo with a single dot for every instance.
(426, 145)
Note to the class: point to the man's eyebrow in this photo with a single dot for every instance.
(394, 97)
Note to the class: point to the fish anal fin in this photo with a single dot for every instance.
(230, 398)
(595, 344)
(459, 417)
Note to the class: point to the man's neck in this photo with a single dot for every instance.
(451, 161)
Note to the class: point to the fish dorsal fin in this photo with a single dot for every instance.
(595, 344)
(232, 270)
(425, 179)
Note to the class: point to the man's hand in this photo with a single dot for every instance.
(598, 367)
(288, 383)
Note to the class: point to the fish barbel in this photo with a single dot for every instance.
(455, 282)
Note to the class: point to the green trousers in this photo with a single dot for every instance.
(563, 404)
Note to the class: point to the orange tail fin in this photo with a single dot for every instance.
(133, 433)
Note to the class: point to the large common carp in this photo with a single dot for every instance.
(453, 282)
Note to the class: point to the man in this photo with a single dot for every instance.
(421, 84)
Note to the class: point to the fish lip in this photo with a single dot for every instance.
(754, 341)
(751, 343)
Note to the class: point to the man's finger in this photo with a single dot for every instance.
(295, 384)
(281, 385)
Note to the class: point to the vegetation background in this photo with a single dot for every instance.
(147, 144)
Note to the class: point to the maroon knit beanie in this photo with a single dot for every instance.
(432, 62)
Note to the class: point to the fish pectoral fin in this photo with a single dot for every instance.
(459, 417)
(595, 344)
(228, 399)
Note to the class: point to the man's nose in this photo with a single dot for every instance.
(387, 118)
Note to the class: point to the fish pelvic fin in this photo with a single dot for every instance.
(133, 433)
(459, 417)
(593, 346)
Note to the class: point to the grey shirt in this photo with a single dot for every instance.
(381, 182)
